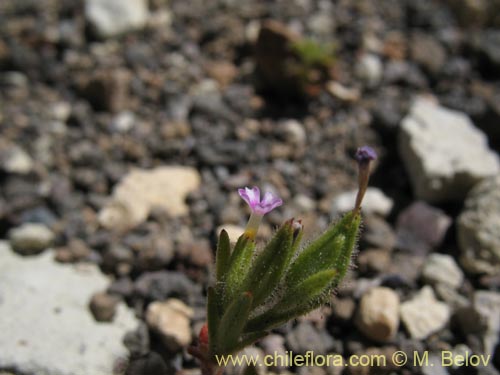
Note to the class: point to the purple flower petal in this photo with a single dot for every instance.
(261, 207)
(251, 196)
(269, 203)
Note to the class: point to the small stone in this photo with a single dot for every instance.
(161, 285)
(427, 52)
(482, 318)
(421, 227)
(123, 287)
(103, 306)
(171, 320)
(405, 267)
(369, 69)
(224, 72)
(114, 17)
(138, 341)
(343, 309)
(373, 261)
(442, 269)
(123, 122)
(378, 316)
(449, 295)
(60, 111)
(374, 202)
(13, 159)
(108, 90)
(423, 314)
(478, 229)
(303, 203)
(151, 363)
(444, 154)
(31, 238)
(306, 337)
(198, 253)
(485, 44)
(378, 233)
(344, 93)
(142, 190)
(75, 251)
(293, 132)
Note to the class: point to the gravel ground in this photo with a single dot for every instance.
(127, 127)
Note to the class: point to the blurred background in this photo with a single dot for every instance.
(126, 127)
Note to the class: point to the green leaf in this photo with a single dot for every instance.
(309, 289)
(274, 319)
(213, 316)
(222, 256)
(270, 264)
(296, 301)
(239, 266)
(351, 230)
(232, 323)
(319, 255)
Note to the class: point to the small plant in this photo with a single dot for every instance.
(258, 290)
(313, 54)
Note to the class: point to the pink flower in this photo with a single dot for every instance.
(260, 207)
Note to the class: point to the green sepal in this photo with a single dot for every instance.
(239, 265)
(213, 316)
(269, 266)
(222, 256)
(232, 323)
(297, 301)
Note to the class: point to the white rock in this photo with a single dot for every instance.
(442, 269)
(482, 318)
(478, 228)
(233, 231)
(114, 17)
(123, 121)
(141, 190)
(30, 238)
(14, 159)
(46, 325)
(294, 132)
(370, 69)
(487, 306)
(424, 315)
(304, 203)
(374, 202)
(171, 319)
(378, 316)
(444, 154)
(60, 111)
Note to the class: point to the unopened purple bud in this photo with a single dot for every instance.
(365, 154)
